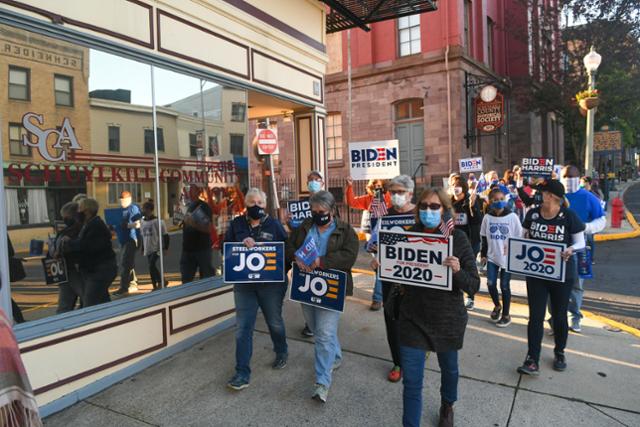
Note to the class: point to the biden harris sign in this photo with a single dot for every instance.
(374, 159)
(260, 264)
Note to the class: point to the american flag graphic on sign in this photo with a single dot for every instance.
(378, 208)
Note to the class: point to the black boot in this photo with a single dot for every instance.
(446, 415)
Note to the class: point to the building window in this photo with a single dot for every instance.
(16, 148)
(148, 141)
(468, 16)
(237, 144)
(409, 34)
(490, 29)
(334, 137)
(409, 109)
(63, 88)
(214, 146)
(115, 189)
(193, 145)
(19, 86)
(237, 111)
(114, 138)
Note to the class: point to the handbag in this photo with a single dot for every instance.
(16, 270)
(393, 302)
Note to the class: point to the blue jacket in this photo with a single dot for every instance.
(585, 204)
(129, 216)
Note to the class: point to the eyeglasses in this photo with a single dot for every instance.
(398, 191)
(319, 213)
(432, 206)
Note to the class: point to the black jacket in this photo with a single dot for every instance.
(474, 215)
(342, 249)
(433, 319)
(93, 245)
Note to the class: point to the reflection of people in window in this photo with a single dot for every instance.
(129, 238)
(196, 238)
(71, 292)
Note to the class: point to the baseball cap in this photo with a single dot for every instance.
(553, 186)
(317, 173)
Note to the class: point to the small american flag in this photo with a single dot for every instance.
(378, 208)
(447, 225)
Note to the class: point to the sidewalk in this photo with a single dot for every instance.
(627, 229)
(600, 387)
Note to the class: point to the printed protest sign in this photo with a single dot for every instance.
(398, 222)
(55, 271)
(374, 159)
(536, 258)
(415, 259)
(308, 252)
(537, 166)
(321, 288)
(299, 210)
(260, 264)
(473, 164)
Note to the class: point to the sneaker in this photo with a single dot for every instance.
(306, 332)
(320, 393)
(280, 362)
(237, 383)
(495, 314)
(575, 326)
(529, 367)
(446, 415)
(336, 364)
(550, 322)
(395, 374)
(559, 362)
(503, 322)
(120, 292)
(469, 304)
(375, 306)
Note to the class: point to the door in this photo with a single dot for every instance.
(411, 142)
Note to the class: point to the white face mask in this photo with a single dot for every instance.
(571, 185)
(398, 200)
(457, 190)
(125, 203)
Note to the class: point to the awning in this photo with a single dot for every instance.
(345, 14)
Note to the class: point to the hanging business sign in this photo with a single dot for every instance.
(267, 141)
(374, 159)
(490, 115)
(415, 259)
(321, 288)
(260, 264)
(607, 140)
(536, 258)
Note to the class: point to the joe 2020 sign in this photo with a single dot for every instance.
(321, 288)
(262, 263)
(536, 259)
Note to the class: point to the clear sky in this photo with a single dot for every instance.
(108, 71)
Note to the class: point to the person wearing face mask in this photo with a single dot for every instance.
(196, 237)
(401, 188)
(337, 245)
(376, 202)
(70, 293)
(130, 239)
(435, 320)
(553, 221)
(498, 225)
(467, 211)
(589, 210)
(257, 226)
(93, 251)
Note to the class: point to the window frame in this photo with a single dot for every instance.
(467, 25)
(27, 71)
(331, 136)
(235, 118)
(109, 127)
(409, 28)
(12, 141)
(231, 135)
(160, 132)
(55, 91)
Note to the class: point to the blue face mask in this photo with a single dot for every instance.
(314, 186)
(498, 205)
(430, 218)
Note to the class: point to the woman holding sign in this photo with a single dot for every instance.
(552, 222)
(337, 249)
(435, 320)
(257, 226)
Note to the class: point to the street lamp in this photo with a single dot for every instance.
(591, 63)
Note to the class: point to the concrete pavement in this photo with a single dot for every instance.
(600, 387)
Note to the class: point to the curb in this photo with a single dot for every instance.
(621, 236)
(610, 322)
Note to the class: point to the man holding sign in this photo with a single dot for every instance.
(251, 229)
(323, 243)
(552, 222)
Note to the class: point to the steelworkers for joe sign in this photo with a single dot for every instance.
(374, 159)
(321, 288)
(262, 263)
(415, 259)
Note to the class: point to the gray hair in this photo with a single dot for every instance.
(403, 180)
(90, 205)
(254, 191)
(69, 209)
(324, 199)
(79, 197)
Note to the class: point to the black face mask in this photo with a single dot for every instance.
(255, 212)
(321, 219)
(537, 198)
(81, 216)
(69, 222)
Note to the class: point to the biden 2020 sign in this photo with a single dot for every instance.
(262, 263)
(374, 159)
(415, 259)
(536, 259)
(321, 288)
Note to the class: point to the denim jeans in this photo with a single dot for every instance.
(247, 299)
(324, 325)
(97, 282)
(191, 262)
(505, 288)
(154, 272)
(377, 290)
(70, 293)
(413, 360)
(127, 264)
(575, 300)
(591, 242)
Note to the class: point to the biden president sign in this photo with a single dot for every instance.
(374, 159)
